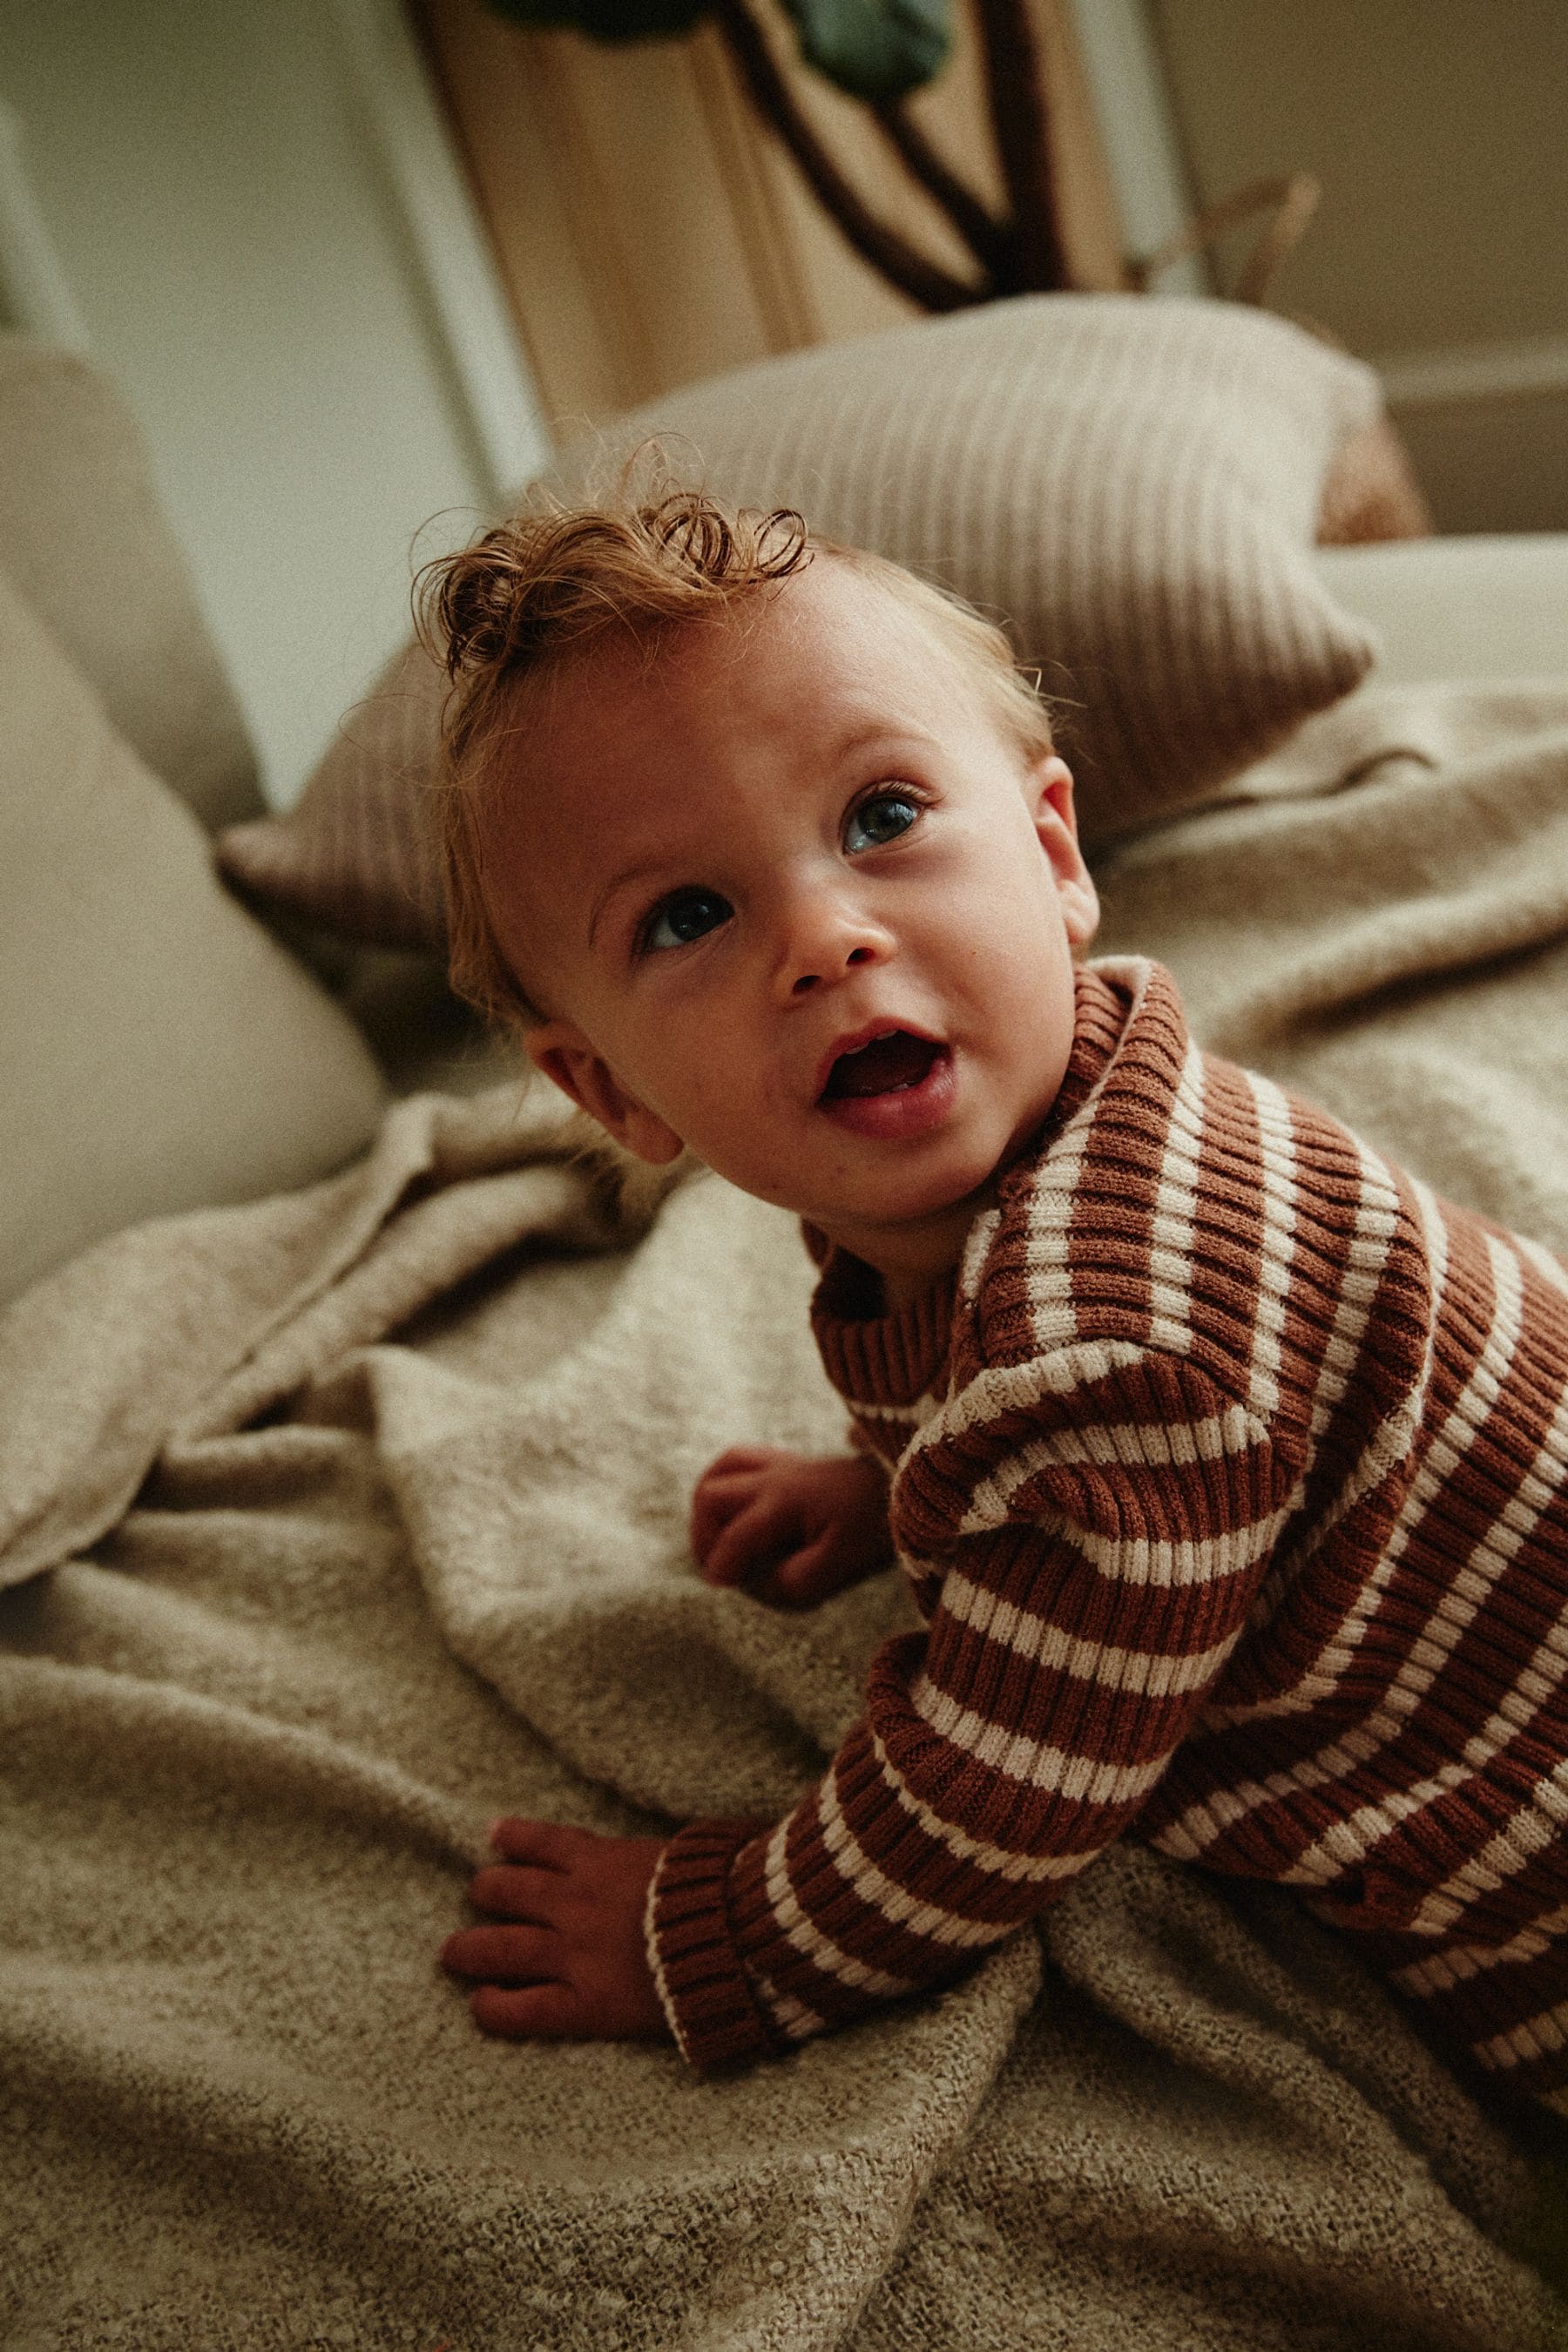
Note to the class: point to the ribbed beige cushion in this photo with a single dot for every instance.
(158, 1049)
(1132, 485)
(357, 853)
(84, 539)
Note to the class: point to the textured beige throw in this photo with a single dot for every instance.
(338, 1524)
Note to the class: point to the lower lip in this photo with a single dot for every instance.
(905, 1111)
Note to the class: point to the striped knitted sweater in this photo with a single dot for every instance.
(1231, 1476)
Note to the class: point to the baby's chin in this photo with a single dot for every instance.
(842, 1181)
(903, 1221)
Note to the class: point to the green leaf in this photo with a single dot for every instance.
(606, 20)
(873, 49)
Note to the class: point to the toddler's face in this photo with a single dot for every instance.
(792, 899)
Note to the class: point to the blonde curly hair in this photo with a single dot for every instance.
(554, 578)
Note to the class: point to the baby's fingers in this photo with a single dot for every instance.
(809, 1575)
(509, 1891)
(750, 1544)
(724, 1488)
(537, 2013)
(548, 1846)
(715, 1501)
(503, 1955)
(712, 1509)
(736, 1458)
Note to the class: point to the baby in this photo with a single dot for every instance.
(1229, 1467)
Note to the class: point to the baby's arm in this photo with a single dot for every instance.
(788, 1528)
(1086, 1597)
(1077, 1632)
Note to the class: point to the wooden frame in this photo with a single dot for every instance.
(649, 228)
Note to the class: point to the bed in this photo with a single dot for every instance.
(350, 1410)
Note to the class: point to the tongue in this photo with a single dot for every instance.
(885, 1064)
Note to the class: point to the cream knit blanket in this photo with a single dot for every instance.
(339, 1524)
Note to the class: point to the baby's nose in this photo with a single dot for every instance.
(827, 935)
(806, 981)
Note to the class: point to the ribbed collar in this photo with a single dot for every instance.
(874, 1357)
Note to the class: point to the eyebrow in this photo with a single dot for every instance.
(904, 733)
(617, 883)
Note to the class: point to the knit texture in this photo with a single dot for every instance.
(1235, 1500)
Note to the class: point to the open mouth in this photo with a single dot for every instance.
(886, 1065)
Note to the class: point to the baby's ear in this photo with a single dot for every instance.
(568, 1059)
(1050, 798)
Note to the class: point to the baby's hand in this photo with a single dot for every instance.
(570, 1964)
(788, 1528)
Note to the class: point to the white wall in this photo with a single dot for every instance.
(1436, 127)
(211, 184)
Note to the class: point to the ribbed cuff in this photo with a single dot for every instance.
(707, 1997)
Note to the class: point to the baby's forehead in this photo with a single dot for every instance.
(852, 621)
(816, 659)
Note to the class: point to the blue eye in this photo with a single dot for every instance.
(880, 820)
(683, 917)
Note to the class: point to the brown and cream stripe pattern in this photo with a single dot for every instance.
(1237, 1505)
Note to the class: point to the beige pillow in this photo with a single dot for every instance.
(83, 537)
(158, 1049)
(1132, 485)
(357, 851)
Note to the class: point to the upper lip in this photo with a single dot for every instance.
(853, 1039)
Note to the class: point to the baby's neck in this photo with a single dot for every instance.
(911, 1258)
(898, 1289)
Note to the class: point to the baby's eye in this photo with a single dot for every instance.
(878, 819)
(684, 916)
